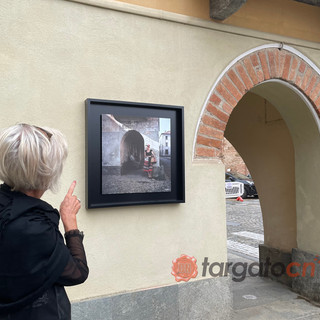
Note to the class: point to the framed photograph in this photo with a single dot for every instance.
(134, 154)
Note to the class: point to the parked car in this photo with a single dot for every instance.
(249, 187)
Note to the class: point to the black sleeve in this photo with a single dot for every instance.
(76, 271)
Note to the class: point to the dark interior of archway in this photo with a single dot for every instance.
(131, 152)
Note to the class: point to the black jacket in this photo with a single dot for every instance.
(35, 263)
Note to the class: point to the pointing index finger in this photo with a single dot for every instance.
(71, 189)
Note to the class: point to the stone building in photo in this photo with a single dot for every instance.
(165, 144)
(124, 140)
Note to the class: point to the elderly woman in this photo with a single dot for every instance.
(35, 263)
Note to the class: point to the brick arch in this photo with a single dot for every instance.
(249, 71)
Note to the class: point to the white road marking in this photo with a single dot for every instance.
(250, 235)
(243, 248)
(249, 297)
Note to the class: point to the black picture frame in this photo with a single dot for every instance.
(101, 176)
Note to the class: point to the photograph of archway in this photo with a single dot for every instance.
(136, 154)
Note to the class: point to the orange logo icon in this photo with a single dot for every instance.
(184, 268)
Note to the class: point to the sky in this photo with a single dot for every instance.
(164, 125)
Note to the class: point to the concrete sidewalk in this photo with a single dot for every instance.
(260, 298)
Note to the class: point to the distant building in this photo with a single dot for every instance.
(232, 159)
(165, 144)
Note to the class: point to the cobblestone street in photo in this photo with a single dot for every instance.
(135, 182)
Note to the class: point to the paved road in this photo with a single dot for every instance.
(245, 227)
(257, 298)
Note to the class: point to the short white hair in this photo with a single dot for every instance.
(32, 158)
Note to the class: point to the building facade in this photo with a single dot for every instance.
(253, 78)
(232, 159)
(165, 144)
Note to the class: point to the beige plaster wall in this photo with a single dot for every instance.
(55, 54)
(260, 135)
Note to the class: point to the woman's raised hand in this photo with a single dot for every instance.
(69, 208)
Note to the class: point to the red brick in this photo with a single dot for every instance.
(226, 95)
(202, 152)
(306, 78)
(209, 142)
(210, 132)
(264, 65)
(245, 79)
(227, 108)
(215, 123)
(272, 64)
(315, 92)
(282, 58)
(217, 112)
(257, 66)
(277, 62)
(235, 79)
(286, 67)
(260, 75)
(231, 88)
(255, 60)
(293, 69)
(215, 99)
(311, 85)
(298, 80)
(250, 70)
(317, 103)
(302, 66)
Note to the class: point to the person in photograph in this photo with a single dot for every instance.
(36, 264)
(149, 160)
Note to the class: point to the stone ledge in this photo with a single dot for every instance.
(305, 284)
(196, 300)
(275, 256)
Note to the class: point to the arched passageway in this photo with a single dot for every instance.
(266, 104)
(258, 132)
